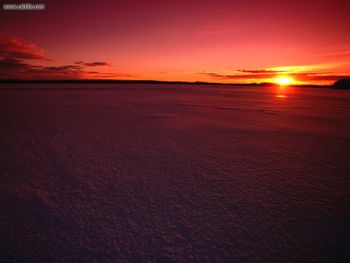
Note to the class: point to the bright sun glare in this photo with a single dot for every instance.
(284, 81)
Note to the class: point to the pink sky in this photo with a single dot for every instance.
(216, 41)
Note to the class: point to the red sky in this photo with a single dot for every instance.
(216, 41)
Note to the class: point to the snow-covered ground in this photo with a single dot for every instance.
(173, 173)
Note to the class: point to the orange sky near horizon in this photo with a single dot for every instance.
(251, 41)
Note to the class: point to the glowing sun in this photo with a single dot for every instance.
(284, 81)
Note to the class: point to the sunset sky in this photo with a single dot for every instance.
(215, 41)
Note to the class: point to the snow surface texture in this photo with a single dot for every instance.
(167, 173)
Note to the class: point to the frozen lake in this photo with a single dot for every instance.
(173, 173)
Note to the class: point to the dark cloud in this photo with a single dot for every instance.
(260, 71)
(92, 64)
(317, 77)
(238, 76)
(16, 48)
(63, 68)
(15, 54)
(17, 69)
(246, 74)
(12, 64)
(112, 75)
(306, 77)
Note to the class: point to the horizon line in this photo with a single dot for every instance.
(148, 81)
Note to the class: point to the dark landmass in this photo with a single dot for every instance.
(342, 84)
(113, 81)
(101, 81)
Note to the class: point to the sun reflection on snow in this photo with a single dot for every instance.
(283, 92)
